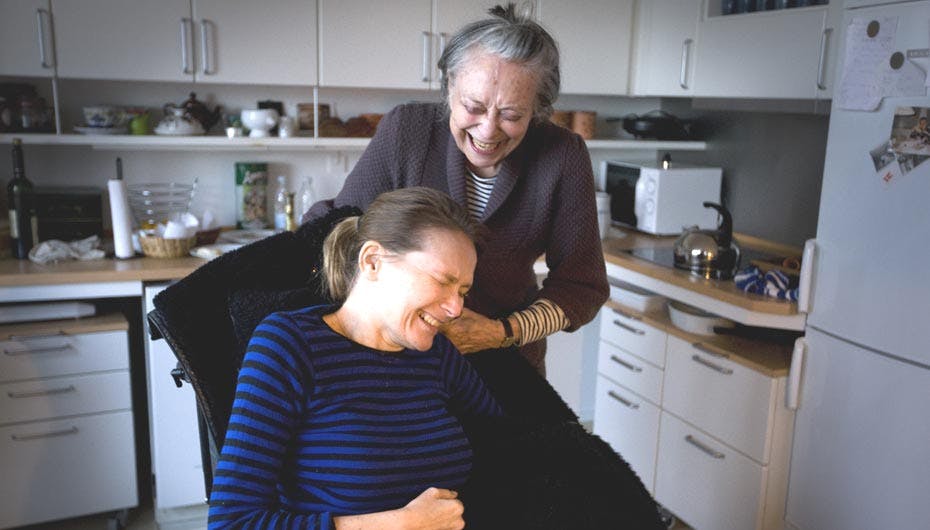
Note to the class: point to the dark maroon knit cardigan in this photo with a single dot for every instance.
(542, 203)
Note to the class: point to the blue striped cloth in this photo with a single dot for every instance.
(322, 426)
(773, 283)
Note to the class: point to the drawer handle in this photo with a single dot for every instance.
(37, 393)
(52, 434)
(629, 328)
(628, 366)
(700, 445)
(713, 366)
(700, 346)
(626, 402)
(624, 314)
(49, 349)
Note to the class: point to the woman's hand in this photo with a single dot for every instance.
(473, 332)
(434, 509)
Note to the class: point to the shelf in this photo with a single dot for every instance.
(222, 143)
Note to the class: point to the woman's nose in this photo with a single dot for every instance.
(453, 305)
(488, 127)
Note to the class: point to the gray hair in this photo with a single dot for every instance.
(397, 220)
(512, 37)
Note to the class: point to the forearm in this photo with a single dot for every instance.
(541, 319)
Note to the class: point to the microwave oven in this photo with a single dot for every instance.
(661, 200)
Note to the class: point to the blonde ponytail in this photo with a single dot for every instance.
(340, 252)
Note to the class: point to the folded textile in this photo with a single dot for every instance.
(773, 283)
(56, 250)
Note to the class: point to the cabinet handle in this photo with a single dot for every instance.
(821, 64)
(186, 30)
(624, 314)
(629, 328)
(685, 57)
(26, 437)
(626, 402)
(425, 67)
(713, 366)
(37, 393)
(29, 351)
(700, 445)
(793, 390)
(708, 351)
(206, 48)
(628, 366)
(806, 275)
(41, 16)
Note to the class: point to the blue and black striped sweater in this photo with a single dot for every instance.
(322, 426)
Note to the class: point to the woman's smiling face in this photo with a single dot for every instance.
(492, 102)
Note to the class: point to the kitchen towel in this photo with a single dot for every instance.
(773, 283)
(122, 224)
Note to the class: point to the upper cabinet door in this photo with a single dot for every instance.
(137, 40)
(594, 39)
(774, 54)
(385, 44)
(243, 41)
(27, 48)
(665, 47)
(449, 16)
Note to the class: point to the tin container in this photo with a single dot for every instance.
(251, 195)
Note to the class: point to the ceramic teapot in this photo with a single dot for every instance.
(192, 108)
(709, 253)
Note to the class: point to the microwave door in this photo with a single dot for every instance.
(620, 183)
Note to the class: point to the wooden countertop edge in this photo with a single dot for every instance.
(14, 273)
(767, 358)
(71, 326)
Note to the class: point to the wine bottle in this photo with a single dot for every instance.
(24, 228)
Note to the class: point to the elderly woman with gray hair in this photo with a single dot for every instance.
(489, 144)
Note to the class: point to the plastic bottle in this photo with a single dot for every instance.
(305, 199)
(280, 204)
(23, 222)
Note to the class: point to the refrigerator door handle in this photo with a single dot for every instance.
(793, 387)
(807, 271)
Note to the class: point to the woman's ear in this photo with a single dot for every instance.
(369, 259)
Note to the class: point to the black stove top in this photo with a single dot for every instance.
(665, 256)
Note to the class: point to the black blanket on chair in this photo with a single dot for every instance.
(537, 468)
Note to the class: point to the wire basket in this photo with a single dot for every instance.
(154, 203)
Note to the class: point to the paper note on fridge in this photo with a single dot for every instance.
(869, 47)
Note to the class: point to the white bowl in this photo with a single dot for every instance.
(259, 121)
(634, 297)
(694, 320)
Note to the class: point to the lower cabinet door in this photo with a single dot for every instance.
(67, 468)
(705, 482)
(630, 424)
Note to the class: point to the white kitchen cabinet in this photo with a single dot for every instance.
(664, 48)
(67, 444)
(595, 39)
(27, 47)
(213, 41)
(268, 43)
(175, 439)
(375, 44)
(781, 54)
(390, 44)
(125, 39)
(630, 424)
(706, 431)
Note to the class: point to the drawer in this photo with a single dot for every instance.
(36, 357)
(705, 482)
(731, 402)
(630, 371)
(630, 424)
(67, 468)
(629, 332)
(43, 399)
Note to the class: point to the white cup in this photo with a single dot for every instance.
(602, 200)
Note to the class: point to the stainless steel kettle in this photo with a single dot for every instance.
(709, 253)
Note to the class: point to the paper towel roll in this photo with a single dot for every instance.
(603, 212)
(121, 222)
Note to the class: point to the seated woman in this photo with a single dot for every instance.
(343, 416)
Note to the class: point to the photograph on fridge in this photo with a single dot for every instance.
(910, 137)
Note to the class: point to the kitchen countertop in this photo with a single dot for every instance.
(15, 272)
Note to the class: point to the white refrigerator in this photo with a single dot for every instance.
(861, 451)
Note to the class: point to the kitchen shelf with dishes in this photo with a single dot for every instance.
(213, 143)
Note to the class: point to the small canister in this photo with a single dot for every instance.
(251, 193)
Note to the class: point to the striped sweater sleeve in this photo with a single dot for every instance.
(541, 319)
(264, 415)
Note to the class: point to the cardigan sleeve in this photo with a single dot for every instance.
(577, 278)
